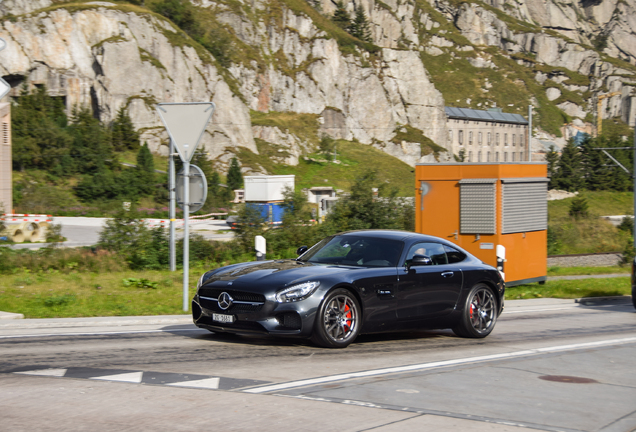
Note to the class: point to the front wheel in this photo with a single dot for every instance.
(338, 320)
(479, 315)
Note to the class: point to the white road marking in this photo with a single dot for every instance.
(101, 333)
(208, 383)
(132, 377)
(432, 365)
(45, 372)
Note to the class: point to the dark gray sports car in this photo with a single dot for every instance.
(351, 283)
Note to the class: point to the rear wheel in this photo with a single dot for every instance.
(479, 315)
(338, 320)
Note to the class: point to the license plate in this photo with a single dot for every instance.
(223, 318)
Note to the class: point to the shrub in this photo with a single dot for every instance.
(579, 208)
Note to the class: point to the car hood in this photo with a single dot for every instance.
(262, 276)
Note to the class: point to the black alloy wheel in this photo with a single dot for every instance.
(338, 320)
(479, 315)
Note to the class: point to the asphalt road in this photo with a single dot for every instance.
(551, 365)
(83, 231)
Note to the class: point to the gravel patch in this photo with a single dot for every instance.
(585, 260)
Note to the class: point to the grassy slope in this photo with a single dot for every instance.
(355, 159)
(591, 234)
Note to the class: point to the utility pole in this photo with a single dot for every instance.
(530, 133)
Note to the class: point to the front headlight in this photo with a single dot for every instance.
(296, 292)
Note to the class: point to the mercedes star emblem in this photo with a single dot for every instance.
(225, 301)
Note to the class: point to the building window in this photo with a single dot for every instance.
(520, 156)
(513, 156)
(470, 156)
(479, 140)
(450, 136)
(460, 137)
(488, 157)
(496, 156)
(505, 156)
(489, 138)
(470, 138)
(514, 140)
(520, 140)
(497, 138)
(505, 139)
(479, 156)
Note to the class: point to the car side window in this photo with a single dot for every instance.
(453, 255)
(434, 251)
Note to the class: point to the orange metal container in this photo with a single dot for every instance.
(437, 212)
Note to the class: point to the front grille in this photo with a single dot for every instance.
(236, 295)
(236, 307)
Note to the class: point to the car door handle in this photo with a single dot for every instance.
(448, 274)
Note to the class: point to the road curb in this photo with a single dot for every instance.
(10, 316)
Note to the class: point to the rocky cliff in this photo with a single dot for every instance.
(286, 56)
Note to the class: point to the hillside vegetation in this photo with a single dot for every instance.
(589, 233)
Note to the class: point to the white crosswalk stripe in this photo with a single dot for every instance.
(133, 377)
(45, 372)
(208, 383)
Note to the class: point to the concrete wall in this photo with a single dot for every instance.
(6, 183)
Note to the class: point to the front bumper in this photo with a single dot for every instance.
(270, 317)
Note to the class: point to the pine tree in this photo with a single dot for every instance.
(234, 176)
(359, 27)
(597, 175)
(145, 170)
(341, 16)
(124, 135)
(552, 158)
(570, 174)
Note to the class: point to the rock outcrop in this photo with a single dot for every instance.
(112, 55)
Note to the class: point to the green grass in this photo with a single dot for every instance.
(570, 289)
(571, 271)
(52, 295)
(590, 235)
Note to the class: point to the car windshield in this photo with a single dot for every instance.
(355, 251)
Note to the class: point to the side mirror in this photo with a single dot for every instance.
(301, 250)
(421, 260)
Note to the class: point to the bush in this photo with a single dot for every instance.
(141, 247)
(627, 224)
(579, 208)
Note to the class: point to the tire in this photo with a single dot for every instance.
(479, 315)
(338, 320)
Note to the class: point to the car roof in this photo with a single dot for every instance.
(390, 234)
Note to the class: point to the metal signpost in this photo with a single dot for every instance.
(185, 123)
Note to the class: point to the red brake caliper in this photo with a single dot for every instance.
(348, 316)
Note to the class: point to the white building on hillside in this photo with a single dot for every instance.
(487, 136)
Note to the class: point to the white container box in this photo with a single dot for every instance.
(267, 188)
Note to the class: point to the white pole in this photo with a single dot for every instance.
(530, 133)
(186, 234)
(171, 194)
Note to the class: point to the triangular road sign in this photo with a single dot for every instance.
(185, 123)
